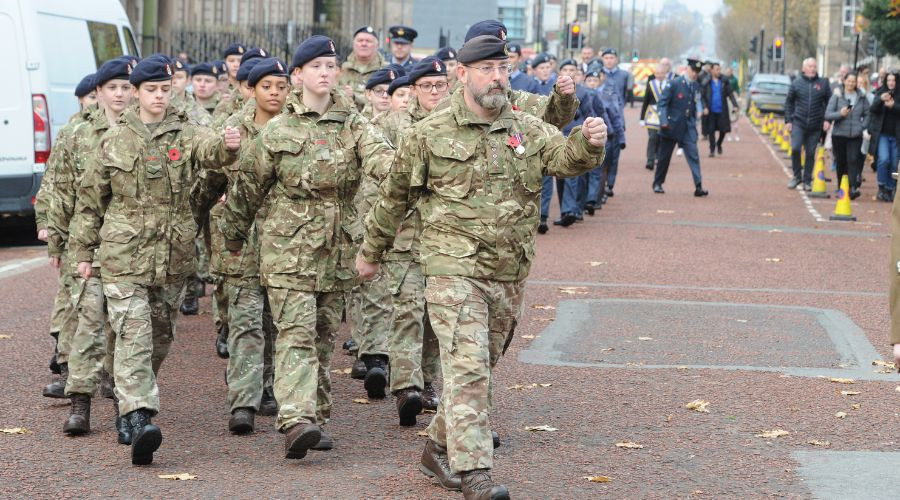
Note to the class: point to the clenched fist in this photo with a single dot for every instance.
(232, 139)
(594, 130)
(365, 269)
(566, 85)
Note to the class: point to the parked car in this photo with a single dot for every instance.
(48, 46)
(768, 92)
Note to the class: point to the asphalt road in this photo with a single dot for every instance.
(745, 300)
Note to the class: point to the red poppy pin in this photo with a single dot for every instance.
(680, 95)
(515, 108)
(515, 141)
(174, 154)
(818, 87)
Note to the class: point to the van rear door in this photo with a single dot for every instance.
(16, 116)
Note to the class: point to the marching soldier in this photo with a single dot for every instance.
(402, 38)
(233, 56)
(363, 61)
(400, 93)
(233, 104)
(204, 80)
(133, 205)
(184, 101)
(448, 56)
(474, 172)
(310, 158)
(677, 110)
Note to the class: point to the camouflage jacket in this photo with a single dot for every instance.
(556, 109)
(310, 167)
(214, 103)
(226, 108)
(356, 74)
(68, 177)
(478, 196)
(44, 196)
(133, 201)
(209, 190)
(190, 107)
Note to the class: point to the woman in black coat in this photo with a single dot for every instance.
(715, 93)
(884, 118)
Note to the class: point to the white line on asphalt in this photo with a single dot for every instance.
(20, 266)
(806, 201)
(719, 289)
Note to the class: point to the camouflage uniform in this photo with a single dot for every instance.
(251, 332)
(225, 109)
(478, 199)
(189, 106)
(309, 166)
(89, 353)
(356, 74)
(556, 109)
(133, 203)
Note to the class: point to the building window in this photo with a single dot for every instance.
(848, 17)
(514, 19)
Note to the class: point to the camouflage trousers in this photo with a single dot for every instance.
(219, 301)
(92, 346)
(474, 322)
(143, 318)
(412, 347)
(250, 337)
(369, 312)
(64, 318)
(307, 323)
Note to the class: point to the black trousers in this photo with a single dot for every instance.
(849, 158)
(807, 139)
(652, 146)
(713, 128)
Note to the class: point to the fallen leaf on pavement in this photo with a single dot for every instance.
(573, 289)
(545, 319)
(345, 371)
(542, 306)
(645, 338)
(842, 380)
(362, 401)
(773, 434)
(598, 479)
(608, 349)
(850, 393)
(629, 445)
(596, 264)
(742, 320)
(775, 231)
(897, 388)
(840, 414)
(541, 428)
(856, 406)
(877, 362)
(665, 211)
(884, 369)
(520, 387)
(773, 259)
(184, 476)
(422, 433)
(5, 337)
(816, 442)
(15, 430)
(768, 214)
(698, 405)
(527, 336)
(432, 412)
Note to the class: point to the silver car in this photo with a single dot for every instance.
(769, 92)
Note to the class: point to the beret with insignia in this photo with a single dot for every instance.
(119, 68)
(384, 75)
(399, 82)
(244, 71)
(482, 48)
(235, 49)
(490, 27)
(365, 29)
(271, 66)
(427, 66)
(155, 68)
(311, 48)
(254, 53)
(446, 54)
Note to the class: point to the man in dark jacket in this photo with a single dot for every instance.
(716, 93)
(804, 115)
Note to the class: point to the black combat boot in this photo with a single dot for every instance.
(359, 370)
(242, 421)
(79, 421)
(376, 375)
(495, 438)
(326, 443)
(267, 406)
(478, 485)
(222, 341)
(123, 426)
(350, 346)
(191, 305)
(54, 366)
(430, 398)
(57, 388)
(409, 405)
(145, 437)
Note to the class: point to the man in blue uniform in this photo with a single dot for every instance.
(402, 38)
(518, 79)
(678, 125)
(616, 82)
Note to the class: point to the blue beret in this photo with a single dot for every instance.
(386, 74)
(246, 67)
(490, 27)
(399, 82)
(483, 48)
(311, 48)
(180, 66)
(254, 53)
(540, 59)
(85, 86)
(609, 50)
(568, 62)
(235, 49)
(152, 69)
(221, 66)
(115, 69)
(205, 68)
(594, 72)
(514, 48)
(365, 29)
(402, 34)
(427, 66)
(446, 54)
(271, 66)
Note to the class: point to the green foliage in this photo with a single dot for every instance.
(884, 28)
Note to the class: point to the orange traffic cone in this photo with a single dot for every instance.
(842, 208)
(819, 186)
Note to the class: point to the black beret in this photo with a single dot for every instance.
(490, 27)
(311, 48)
(540, 59)
(446, 54)
(402, 34)
(221, 66)
(514, 48)
(119, 68)
(85, 86)
(401, 81)
(180, 66)
(271, 66)
(427, 66)
(246, 67)
(152, 69)
(482, 48)
(205, 68)
(595, 73)
(235, 49)
(254, 53)
(567, 62)
(694, 64)
(609, 50)
(365, 29)
(384, 75)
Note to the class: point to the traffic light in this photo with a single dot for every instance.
(769, 53)
(634, 55)
(753, 42)
(778, 49)
(575, 36)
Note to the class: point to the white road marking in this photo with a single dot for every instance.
(21, 266)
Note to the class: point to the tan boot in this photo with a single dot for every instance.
(436, 464)
(478, 485)
(300, 438)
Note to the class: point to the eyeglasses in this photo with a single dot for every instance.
(503, 69)
(380, 92)
(428, 87)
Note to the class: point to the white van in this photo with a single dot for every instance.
(46, 48)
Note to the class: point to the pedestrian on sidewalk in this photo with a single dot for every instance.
(883, 120)
(804, 117)
(716, 94)
(728, 74)
(649, 113)
(849, 109)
